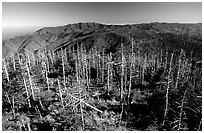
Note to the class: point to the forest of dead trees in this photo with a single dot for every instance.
(75, 89)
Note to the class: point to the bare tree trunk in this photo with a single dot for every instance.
(122, 73)
(6, 71)
(131, 69)
(181, 110)
(178, 73)
(122, 83)
(8, 98)
(63, 68)
(14, 64)
(28, 97)
(167, 90)
(81, 110)
(60, 92)
(30, 79)
(103, 67)
(13, 107)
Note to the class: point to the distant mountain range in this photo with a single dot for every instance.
(150, 35)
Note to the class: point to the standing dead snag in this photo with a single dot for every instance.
(14, 63)
(178, 73)
(63, 68)
(143, 68)
(167, 90)
(6, 70)
(166, 60)
(122, 82)
(122, 72)
(13, 107)
(24, 81)
(181, 110)
(29, 104)
(109, 65)
(131, 70)
(30, 79)
(77, 65)
(60, 92)
(87, 71)
(103, 66)
(7, 96)
(81, 110)
(46, 67)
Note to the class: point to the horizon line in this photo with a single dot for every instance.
(6, 27)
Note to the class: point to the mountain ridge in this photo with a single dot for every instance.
(106, 36)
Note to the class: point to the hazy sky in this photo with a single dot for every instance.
(55, 14)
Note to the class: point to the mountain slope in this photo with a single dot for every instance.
(149, 36)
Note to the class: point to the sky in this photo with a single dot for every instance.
(37, 15)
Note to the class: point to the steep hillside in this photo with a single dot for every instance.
(156, 35)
